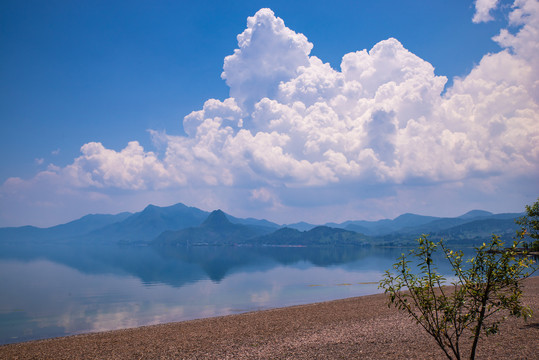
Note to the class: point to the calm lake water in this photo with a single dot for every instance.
(50, 291)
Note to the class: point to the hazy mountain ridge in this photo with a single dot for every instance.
(475, 214)
(318, 236)
(218, 230)
(215, 230)
(183, 225)
(76, 228)
(144, 226)
(412, 224)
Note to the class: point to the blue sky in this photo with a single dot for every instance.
(103, 74)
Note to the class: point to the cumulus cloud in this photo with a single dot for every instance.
(383, 119)
(482, 10)
(268, 53)
(130, 168)
(525, 43)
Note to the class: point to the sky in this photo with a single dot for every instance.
(286, 110)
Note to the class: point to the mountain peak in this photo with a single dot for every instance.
(409, 219)
(407, 216)
(475, 213)
(150, 208)
(216, 218)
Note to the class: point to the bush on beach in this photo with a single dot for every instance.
(484, 286)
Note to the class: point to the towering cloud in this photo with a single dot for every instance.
(381, 118)
(294, 122)
(268, 53)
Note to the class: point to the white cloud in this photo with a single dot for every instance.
(131, 168)
(525, 43)
(483, 9)
(264, 195)
(268, 53)
(293, 122)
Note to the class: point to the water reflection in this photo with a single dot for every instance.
(179, 266)
(57, 290)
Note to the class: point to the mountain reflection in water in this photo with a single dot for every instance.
(56, 290)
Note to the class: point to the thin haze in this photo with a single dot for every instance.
(375, 136)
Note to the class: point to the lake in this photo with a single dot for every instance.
(57, 290)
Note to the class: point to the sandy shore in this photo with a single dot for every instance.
(355, 328)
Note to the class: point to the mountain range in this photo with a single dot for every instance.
(215, 230)
(181, 225)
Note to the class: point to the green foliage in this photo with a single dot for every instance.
(530, 226)
(483, 286)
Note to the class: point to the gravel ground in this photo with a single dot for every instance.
(355, 328)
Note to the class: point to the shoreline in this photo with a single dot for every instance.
(359, 327)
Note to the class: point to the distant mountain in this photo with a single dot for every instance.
(462, 230)
(71, 229)
(181, 224)
(218, 230)
(475, 214)
(385, 226)
(144, 226)
(357, 228)
(301, 226)
(411, 220)
(412, 226)
(480, 230)
(253, 222)
(318, 236)
(444, 225)
(215, 230)
(87, 224)
(506, 216)
(22, 233)
(434, 226)
(140, 227)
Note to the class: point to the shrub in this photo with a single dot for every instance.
(487, 284)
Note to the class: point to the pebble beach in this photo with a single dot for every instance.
(354, 328)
